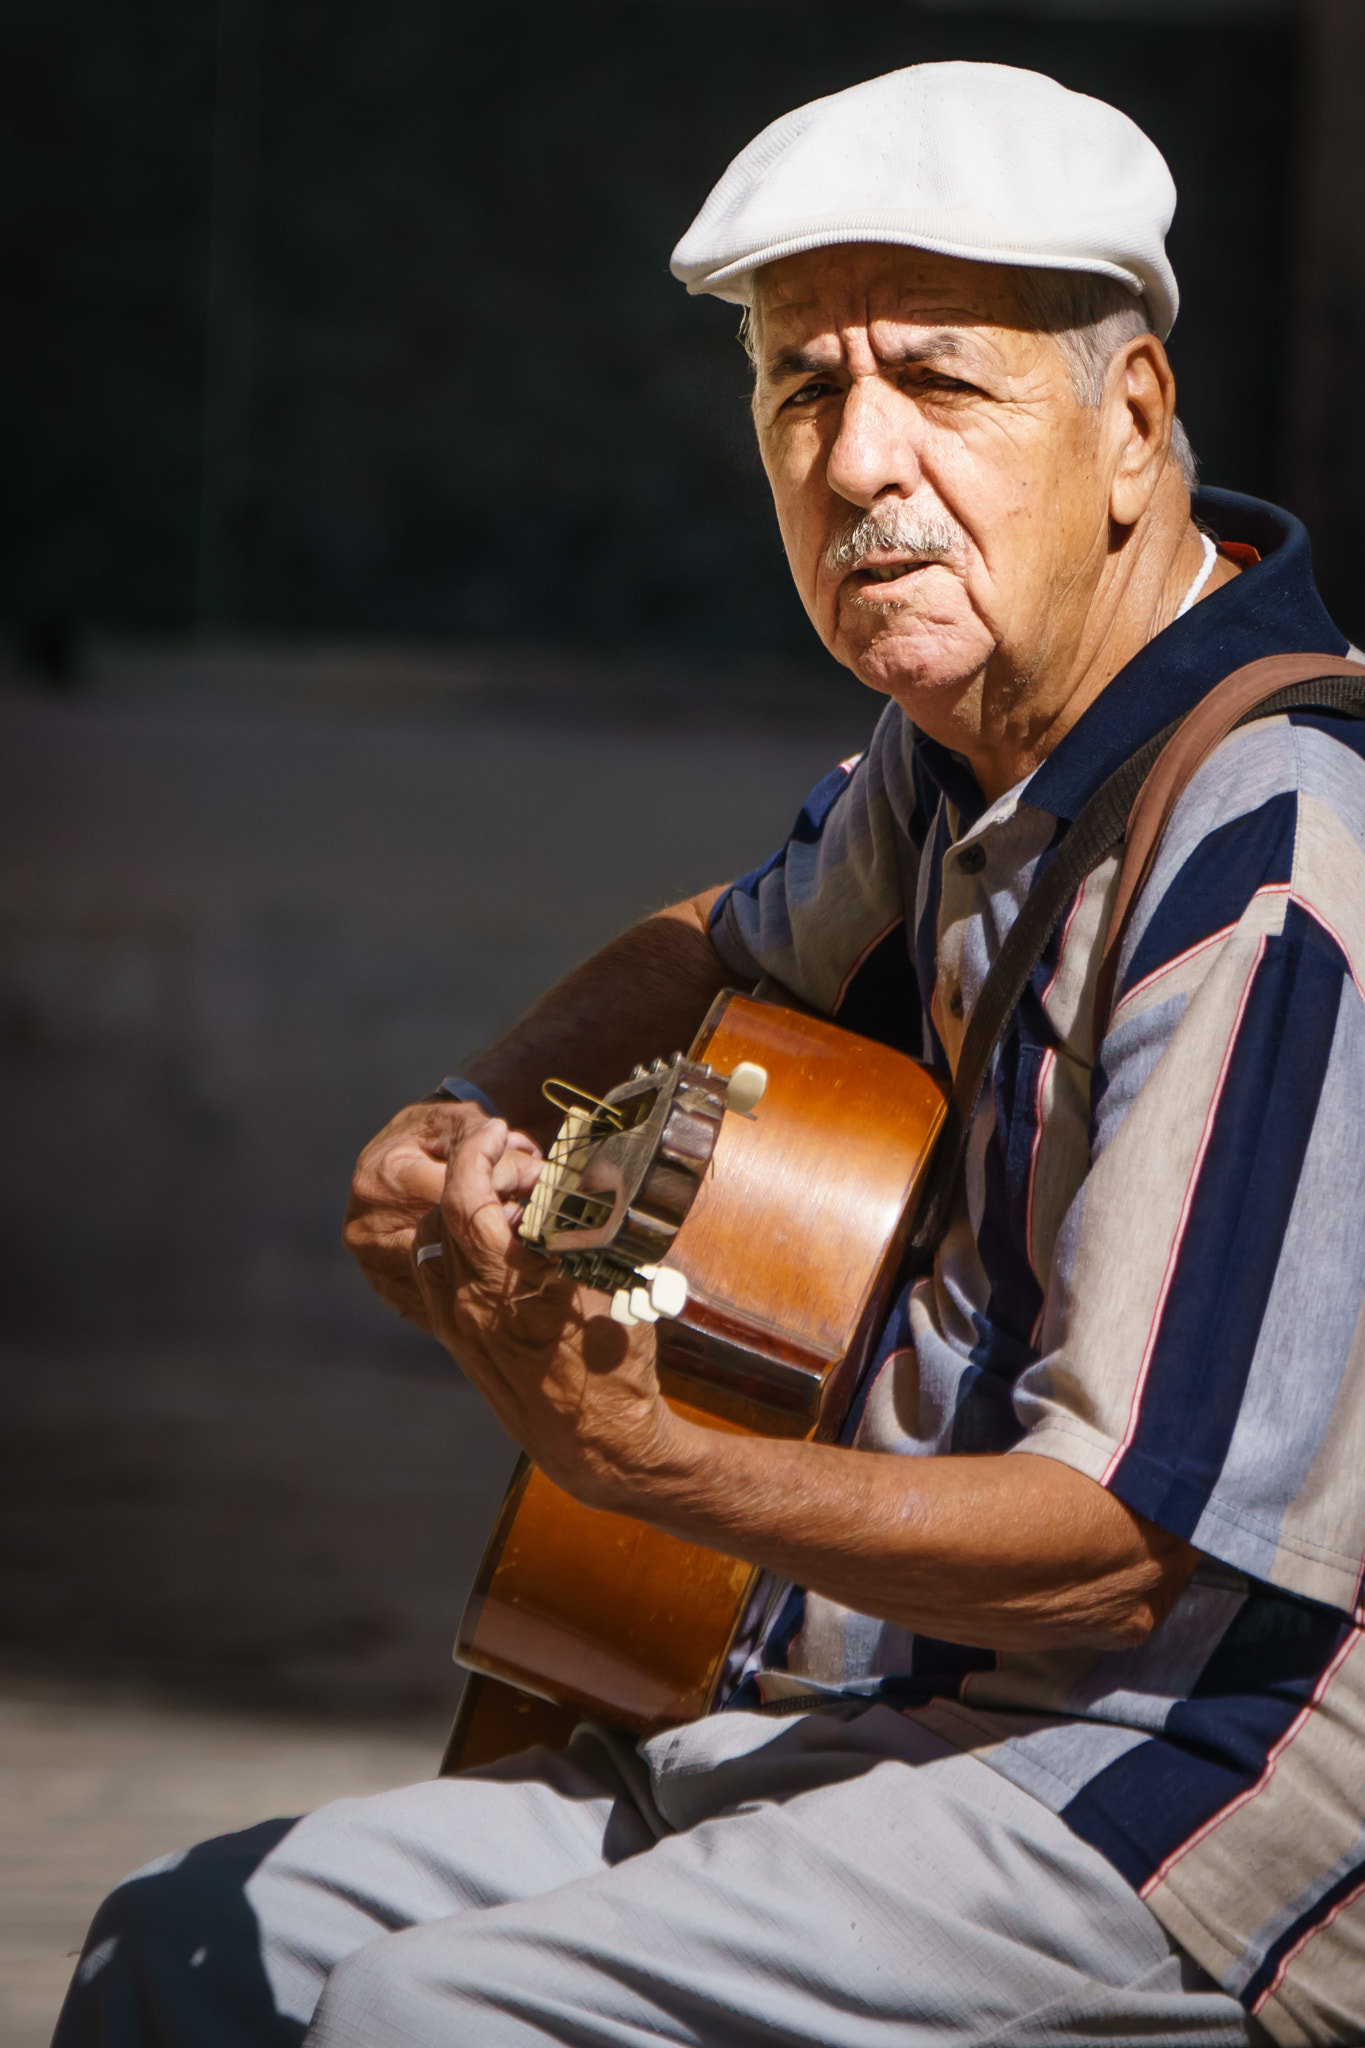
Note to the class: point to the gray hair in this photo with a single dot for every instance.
(1091, 318)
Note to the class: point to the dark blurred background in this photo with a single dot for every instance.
(391, 611)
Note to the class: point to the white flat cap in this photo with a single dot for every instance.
(981, 161)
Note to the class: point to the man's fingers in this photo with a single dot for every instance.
(399, 1180)
(472, 1202)
(485, 1187)
(516, 1173)
(404, 1172)
(434, 1266)
(406, 1161)
(514, 1177)
(387, 1265)
(409, 1171)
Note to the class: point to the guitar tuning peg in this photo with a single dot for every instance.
(637, 1073)
(746, 1086)
(667, 1291)
(620, 1307)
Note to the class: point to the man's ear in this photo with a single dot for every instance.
(1139, 403)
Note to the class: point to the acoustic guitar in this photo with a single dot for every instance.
(771, 1228)
(753, 1199)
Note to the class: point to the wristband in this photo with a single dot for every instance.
(460, 1090)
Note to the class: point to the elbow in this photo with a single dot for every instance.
(1130, 1629)
(1091, 1624)
(693, 911)
(1121, 1611)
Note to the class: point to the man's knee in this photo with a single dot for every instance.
(372, 1995)
(425, 1987)
(173, 1956)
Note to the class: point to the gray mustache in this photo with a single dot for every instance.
(932, 538)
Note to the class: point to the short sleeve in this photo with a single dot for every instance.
(1203, 1346)
(817, 913)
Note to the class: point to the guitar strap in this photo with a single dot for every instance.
(1131, 809)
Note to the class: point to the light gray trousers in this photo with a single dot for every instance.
(831, 1881)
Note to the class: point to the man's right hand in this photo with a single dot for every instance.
(398, 1178)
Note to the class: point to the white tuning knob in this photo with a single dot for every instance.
(658, 1291)
(744, 1089)
(667, 1291)
(641, 1307)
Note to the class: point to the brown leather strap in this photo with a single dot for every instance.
(1196, 737)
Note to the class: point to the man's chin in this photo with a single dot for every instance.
(915, 662)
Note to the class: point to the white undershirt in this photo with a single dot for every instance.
(1196, 589)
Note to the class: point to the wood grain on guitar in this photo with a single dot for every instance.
(790, 1240)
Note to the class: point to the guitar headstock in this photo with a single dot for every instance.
(621, 1176)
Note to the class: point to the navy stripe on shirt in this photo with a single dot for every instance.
(1229, 1252)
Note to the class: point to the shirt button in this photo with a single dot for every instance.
(955, 1002)
(972, 859)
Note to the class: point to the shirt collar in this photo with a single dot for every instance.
(1271, 608)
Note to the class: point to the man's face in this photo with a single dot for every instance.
(940, 490)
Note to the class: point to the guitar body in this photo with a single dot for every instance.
(790, 1246)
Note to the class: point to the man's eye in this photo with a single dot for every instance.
(938, 383)
(808, 393)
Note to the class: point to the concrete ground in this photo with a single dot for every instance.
(93, 1785)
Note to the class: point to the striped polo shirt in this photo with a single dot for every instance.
(1156, 1271)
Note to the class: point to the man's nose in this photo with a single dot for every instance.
(875, 449)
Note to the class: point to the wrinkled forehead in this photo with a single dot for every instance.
(827, 292)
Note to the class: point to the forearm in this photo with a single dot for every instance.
(1003, 1552)
(1006, 1551)
(642, 997)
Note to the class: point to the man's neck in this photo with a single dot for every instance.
(1140, 592)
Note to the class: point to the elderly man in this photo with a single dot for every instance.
(1079, 1593)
